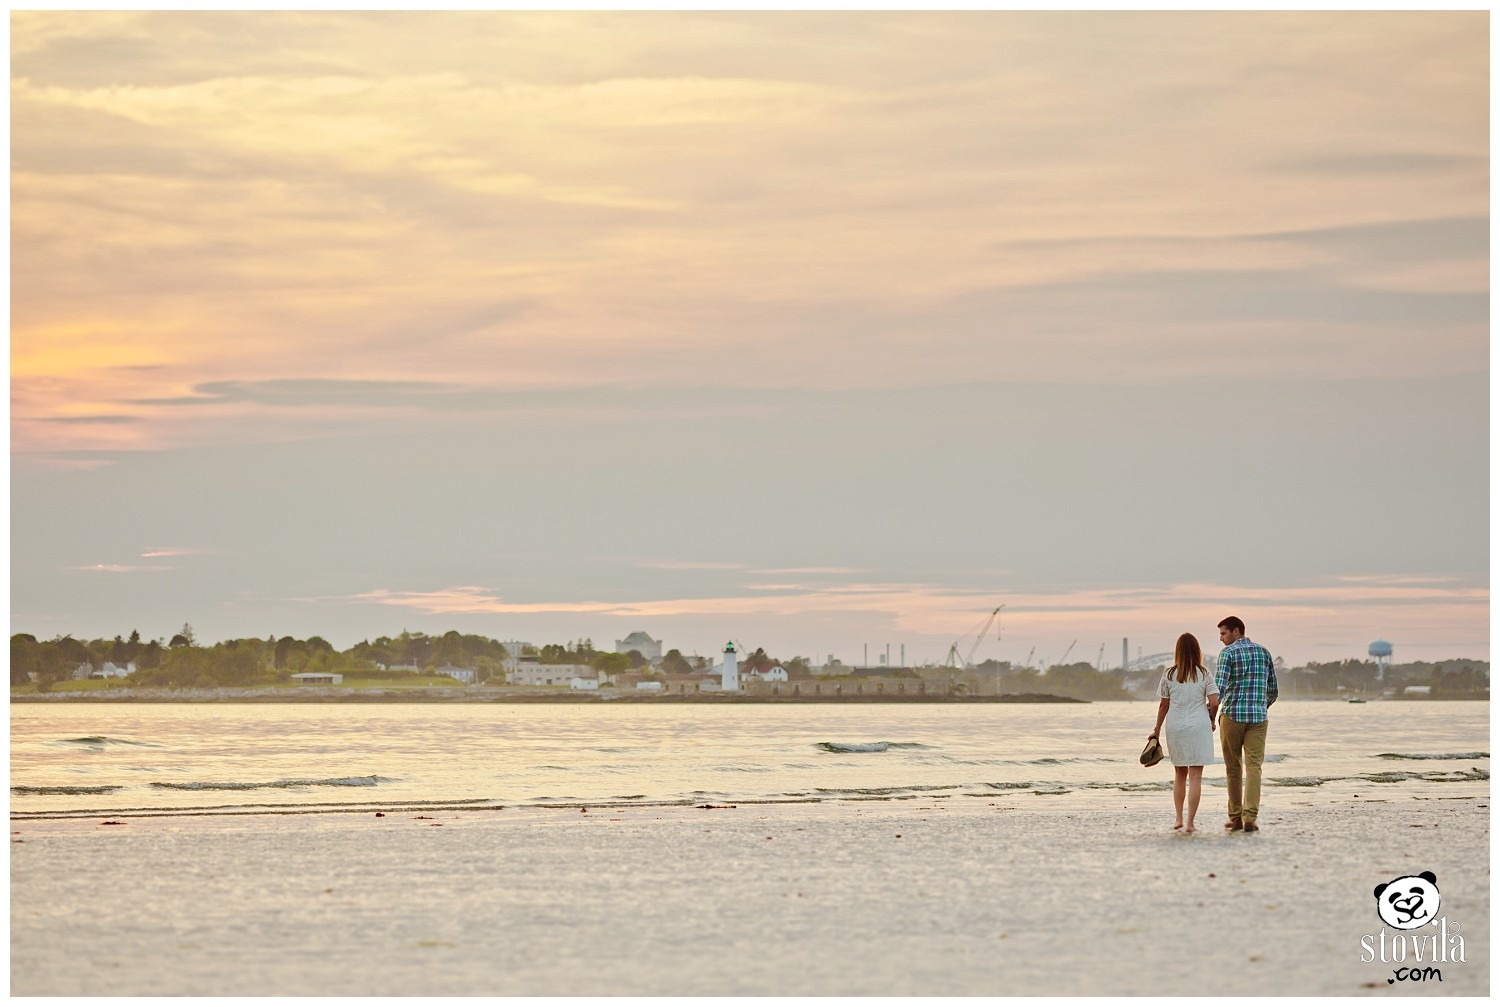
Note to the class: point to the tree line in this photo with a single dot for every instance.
(181, 662)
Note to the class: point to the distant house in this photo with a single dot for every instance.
(530, 672)
(584, 683)
(112, 670)
(648, 648)
(317, 678)
(1417, 690)
(773, 673)
(464, 675)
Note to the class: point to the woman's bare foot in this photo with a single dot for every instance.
(1177, 826)
(1190, 828)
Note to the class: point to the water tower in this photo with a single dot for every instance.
(1380, 650)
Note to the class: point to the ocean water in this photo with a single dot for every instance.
(218, 759)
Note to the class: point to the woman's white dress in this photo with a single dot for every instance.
(1186, 731)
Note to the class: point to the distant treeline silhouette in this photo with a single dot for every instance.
(181, 662)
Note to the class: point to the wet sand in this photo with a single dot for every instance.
(940, 897)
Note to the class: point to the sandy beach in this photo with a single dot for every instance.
(929, 896)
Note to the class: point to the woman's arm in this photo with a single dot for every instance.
(1213, 710)
(1161, 715)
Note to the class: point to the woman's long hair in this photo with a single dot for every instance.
(1189, 659)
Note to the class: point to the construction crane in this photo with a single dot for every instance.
(1067, 652)
(1099, 662)
(1029, 655)
(967, 660)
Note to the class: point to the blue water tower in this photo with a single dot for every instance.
(1380, 650)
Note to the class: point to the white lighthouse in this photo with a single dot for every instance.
(731, 680)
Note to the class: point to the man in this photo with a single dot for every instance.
(1247, 687)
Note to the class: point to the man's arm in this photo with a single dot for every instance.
(1272, 691)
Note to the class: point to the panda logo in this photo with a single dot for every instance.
(1410, 902)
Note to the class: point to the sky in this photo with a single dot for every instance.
(814, 331)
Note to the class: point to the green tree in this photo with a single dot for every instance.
(610, 663)
(25, 655)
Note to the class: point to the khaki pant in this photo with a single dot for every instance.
(1244, 750)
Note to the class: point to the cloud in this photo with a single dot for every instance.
(119, 568)
(1439, 239)
(81, 420)
(931, 609)
(311, 392)
(156, 551)
(814, 569)
(1379, 163)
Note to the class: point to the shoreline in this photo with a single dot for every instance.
(444, 694)
(504, 695)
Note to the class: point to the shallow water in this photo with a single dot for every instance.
(85, 759)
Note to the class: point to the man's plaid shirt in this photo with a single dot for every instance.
(1247, 681)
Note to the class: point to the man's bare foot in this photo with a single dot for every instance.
(1251, 827)
(1177, 826)
(1190, 828)
(1234, 825)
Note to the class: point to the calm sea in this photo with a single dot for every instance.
(126, 759)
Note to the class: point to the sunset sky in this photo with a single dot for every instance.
(809, 330)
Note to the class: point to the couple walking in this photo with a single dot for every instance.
(1238, 698)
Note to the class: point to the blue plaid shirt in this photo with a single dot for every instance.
(1247, 681)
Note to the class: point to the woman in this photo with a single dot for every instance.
(1188, 708)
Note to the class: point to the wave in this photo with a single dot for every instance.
(100, 739)
(883, 791)
(1431, 776)
(341, 781)
(1454, 755)
(867, 746)
(63, 790)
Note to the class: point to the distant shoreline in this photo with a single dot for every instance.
(313, 694)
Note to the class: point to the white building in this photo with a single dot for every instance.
(317, 678)
(513, 651)
(464, 675)
(532, 673)
(584, 683)
(112, 670)
(775, 673)
(649, 649)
